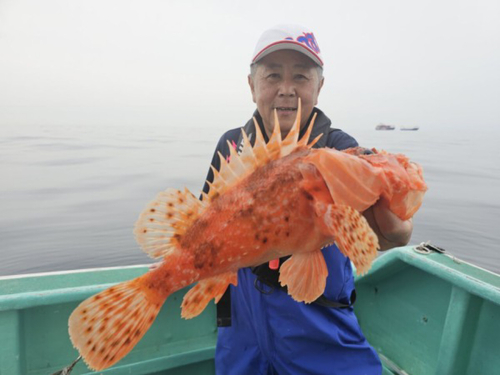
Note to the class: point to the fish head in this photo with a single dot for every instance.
(359, 180)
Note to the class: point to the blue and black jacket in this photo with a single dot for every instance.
(270, 333)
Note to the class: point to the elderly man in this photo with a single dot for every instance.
(262, 329)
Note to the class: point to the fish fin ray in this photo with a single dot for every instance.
(199, 296)
(226, 170)
(304, 274)
(274, 144)
(290, 142)
(238, 166)
(105, 327)
(247, 155)
(305, 138)
(313, 142)
(165, 219)
(353, 235)
(260, 147)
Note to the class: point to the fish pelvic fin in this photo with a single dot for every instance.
(164, 220)
(304, 274)
(352, 234)
(198, 297)
(105, 327)
(238, 166)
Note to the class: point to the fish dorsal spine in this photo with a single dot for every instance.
(163, 223)
(241, 165)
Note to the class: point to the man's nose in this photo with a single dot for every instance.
(287, 88)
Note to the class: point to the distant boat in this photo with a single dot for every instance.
(384, 127)
(409, 127)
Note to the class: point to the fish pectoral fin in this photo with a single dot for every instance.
(304, 274)
(164, 221)
(199, 296)
(353, 235)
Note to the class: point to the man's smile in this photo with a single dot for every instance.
(285, 110)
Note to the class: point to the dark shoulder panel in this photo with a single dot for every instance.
(340, 140)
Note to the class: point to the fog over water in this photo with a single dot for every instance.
(71, 195)
(127, 62)
(105, 103)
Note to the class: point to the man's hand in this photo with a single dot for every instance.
(390, 229)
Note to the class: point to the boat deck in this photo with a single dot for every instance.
(431, 314)
(424, 313)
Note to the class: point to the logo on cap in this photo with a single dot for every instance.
(309, 40)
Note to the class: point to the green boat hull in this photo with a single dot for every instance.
(423, 313)
(34, 312)
(431, 313)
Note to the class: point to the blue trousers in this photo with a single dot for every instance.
(273, 334)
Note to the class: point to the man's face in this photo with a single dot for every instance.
(281, 78)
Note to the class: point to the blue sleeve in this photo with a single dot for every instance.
(340, 141)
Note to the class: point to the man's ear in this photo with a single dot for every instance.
(319, 89)
(252, 87)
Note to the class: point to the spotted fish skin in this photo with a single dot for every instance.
(273, 200)
(268, 215)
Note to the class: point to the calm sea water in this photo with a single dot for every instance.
(70, 195)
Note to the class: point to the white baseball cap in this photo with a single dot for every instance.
(294, 37)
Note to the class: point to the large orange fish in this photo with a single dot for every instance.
(273, 200)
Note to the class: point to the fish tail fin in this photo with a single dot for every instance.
(105, 327)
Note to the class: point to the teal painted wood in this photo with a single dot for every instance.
(431, 314)
(11, 359)
(34, 312)
(425, 314)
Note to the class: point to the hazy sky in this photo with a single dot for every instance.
(427, 62)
